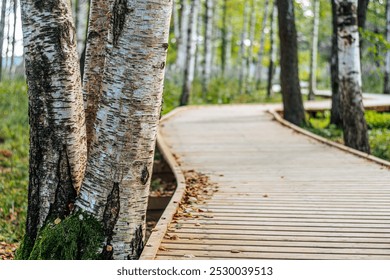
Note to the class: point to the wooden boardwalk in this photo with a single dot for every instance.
(280, 194)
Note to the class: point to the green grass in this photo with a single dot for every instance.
(379, 131)
(13, 159)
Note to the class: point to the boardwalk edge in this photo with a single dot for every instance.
(151, 247)
(276, 115)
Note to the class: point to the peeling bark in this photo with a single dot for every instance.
(121, 154)
(95, 58)
(354, 123)
(56, 113)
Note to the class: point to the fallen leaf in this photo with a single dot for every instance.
(57, 221)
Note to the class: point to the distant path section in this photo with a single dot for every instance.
(280, 194)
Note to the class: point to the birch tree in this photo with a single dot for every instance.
(289, 76)
(386, 86)
(314, 50)
(259, 65)
(335, 112)
(354, 123)
(183, 39)
(2, 25)
(189, 68)
(243, 53)
(272, 59)
(116, 185)
(252, 30)
(95, 60)
(58, 149)
(208, 47)
(12, 63)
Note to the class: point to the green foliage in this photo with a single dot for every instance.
(379, 131)
(13, 159)
(77, 237)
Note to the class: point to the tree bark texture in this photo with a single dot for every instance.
(314, 50)
(289, 76)
(272, 59)
(335, 112)
(117, 180)
(98, 26)
(189, 68)
(259, 66)
(386, 86)
(58, 148)
(354, 123)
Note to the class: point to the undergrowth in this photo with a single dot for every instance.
(378, 125)
(77, 237)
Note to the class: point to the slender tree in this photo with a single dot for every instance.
(58, 149)
(208, 33)
(354, 123)
(8, 22)
(183, 39)
(224, 30)
(386, 86)
(243, 53)
(259, 65)
(12, 63)
(2, 25)
(289, 76)
(314, 50)
(335, 112)
(272, 51)
(252, 30)
(362, 8)
(189, 69)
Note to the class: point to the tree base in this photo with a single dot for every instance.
(77, 237)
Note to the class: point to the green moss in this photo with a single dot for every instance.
(77, 237)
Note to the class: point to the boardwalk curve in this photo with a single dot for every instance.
(281, 195)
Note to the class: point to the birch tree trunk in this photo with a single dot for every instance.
(259, 65)
(176, 23)
(314, 50)
(252, 29)
(189, 68)
(224, 37)
(289, 76)
(335, 112)
(183, 40)
(208, 47)
(386, 86)
(12, 63)
(272, 60)
(117, 180)
(243, 53)
(95, 58)
(354, 123)
(2, 25)
(58, 149)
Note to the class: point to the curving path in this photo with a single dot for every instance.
(281, 194)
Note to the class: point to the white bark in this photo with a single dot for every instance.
(260, 54)
(386, 89)
(354, 124)
(314, 50)
(12, 65)
(252, 29)
(208, 47)
(182, 43)
(56, 111)
(243, 53)
(116, 185)
(189, 68)
(2, 25)
(81, 26)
